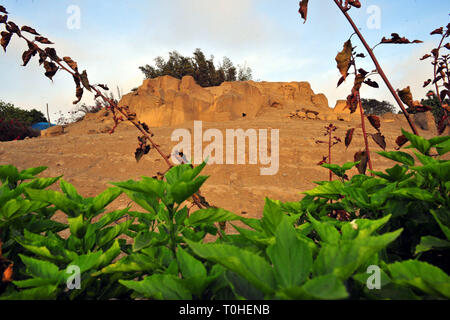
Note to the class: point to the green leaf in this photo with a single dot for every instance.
(438, 140)
(429, 243)
(181, 191)
(362, 228)
(333, 188)
(272, 216)
(143, 240)
(443, 147)
(40, 293)
(421, 275)
(9, 173)
(189, 266)
(88, 261)
(160, 287)
(104, 199)
(291, 258)
(248, 265)
(326, 231)
(344, 259)
(421, 144)
(398, 156)
(414, 193)
(60, 201)
(70, 191)
(327, 287)
(338, 170)
(112, 253)
(111, 233)
(33, 171)
(152, 187)
(444, 228)
(211, 215)
(77, 226)
(41, 269)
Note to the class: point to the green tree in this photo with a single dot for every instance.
(203, 70)
(433, 101)
(375, 107)
(9, 112)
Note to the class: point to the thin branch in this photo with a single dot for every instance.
(377, 65)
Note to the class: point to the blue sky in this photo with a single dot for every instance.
(117, 36)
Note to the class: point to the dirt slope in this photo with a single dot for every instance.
(91, 160)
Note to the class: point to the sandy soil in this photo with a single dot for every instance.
(91, 160)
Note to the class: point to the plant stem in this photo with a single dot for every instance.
(329, 153)
(436, 58)
(363, 127)
(378, 67)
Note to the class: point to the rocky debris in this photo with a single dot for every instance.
(425, 120)
(53, 131)
(166, 101)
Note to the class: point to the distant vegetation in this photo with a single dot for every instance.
(15, 123)
(203, 70)
(433, 101)
(378, 108)
(9, 112)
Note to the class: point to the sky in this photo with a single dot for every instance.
(112, 38)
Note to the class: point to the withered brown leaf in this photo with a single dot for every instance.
(85, 80)
(51, 52)
(6, 38)
(374, 121)
(141, 151)
(438, 31)
(3, 19)
(341, 80)
(359, 79)
(43, 40)
(406, 96)
(442, 125)
(425, 57)
(379, 139)
(27, 55)
(395, 38)
(3, 10)
(401, 141)
(426, 83)
(50, 69)
(13, 28)
(72, 64)
(303, 9)
(103, 86)
(349, 137)
(344, 59)
(355, 3)
(30, 30)
(362, 166)
(79, 94)
(42, 56)
(371, 83)
(352, 103)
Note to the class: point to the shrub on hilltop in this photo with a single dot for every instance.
(203, 70)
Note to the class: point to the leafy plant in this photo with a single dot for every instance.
(415, 195)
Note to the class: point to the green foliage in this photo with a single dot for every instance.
(400, 223)
(415, 192)
(375, 107)
(9, 112)
(203, 70)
